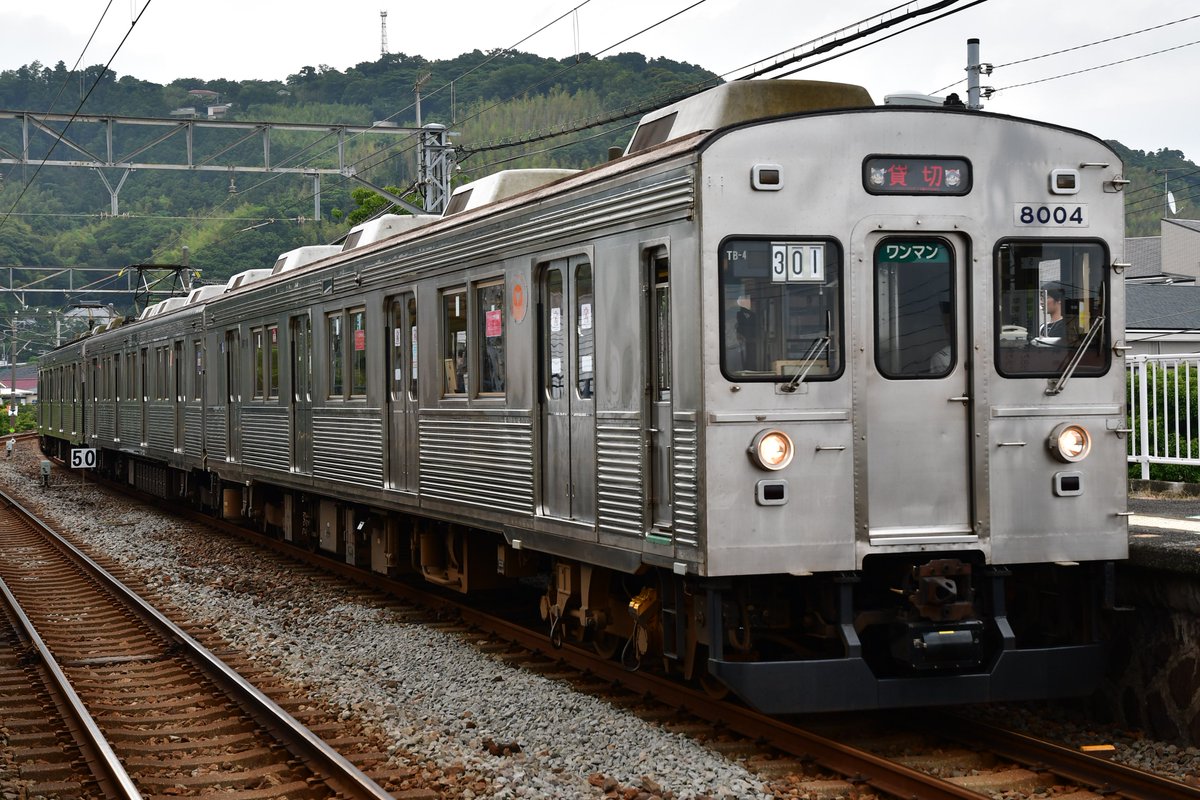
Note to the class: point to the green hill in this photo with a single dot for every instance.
(487, 99)
(228, 226)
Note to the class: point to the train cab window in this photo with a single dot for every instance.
(489, 300)
(781, 309)
(456, 378)
(336, 352)
(914, 308)
(1051, 307)
(358, 358)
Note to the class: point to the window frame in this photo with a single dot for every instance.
(835, 281)
(1103, 342)
(952, 289)
(335, 355)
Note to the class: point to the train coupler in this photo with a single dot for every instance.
(931, 646)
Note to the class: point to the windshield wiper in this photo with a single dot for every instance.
(814, 352)
(1057, 386)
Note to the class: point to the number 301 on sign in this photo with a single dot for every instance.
(1067, 215)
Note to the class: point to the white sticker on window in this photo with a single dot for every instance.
(585, 316)
(555, 320)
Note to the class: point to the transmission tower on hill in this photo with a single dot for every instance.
(383, 34)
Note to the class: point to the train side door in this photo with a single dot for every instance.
(143, 391)
(300, 392)
(917, 392)
(402, 393)
(658, 292)
(233, 395)
(568, 440)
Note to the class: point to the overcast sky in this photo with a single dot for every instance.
(1148, 103)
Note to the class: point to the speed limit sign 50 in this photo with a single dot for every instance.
(83, 458)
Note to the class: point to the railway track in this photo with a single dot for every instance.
(795, 756)
(791, 752)
(131, 705)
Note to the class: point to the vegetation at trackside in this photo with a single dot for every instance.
(486, 100)
(1173, 393)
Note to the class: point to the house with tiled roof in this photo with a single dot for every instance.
(1162, 290)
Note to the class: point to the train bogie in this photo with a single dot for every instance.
(789, 397)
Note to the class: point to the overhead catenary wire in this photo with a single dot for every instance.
(1078, 47)
(1099, 66)
(388, 118)
(75, 113)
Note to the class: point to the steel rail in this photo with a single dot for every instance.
(858, 766)
(341, 775)
(1106, 776)
(106, 767)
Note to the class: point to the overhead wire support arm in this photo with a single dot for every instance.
(390, 197)
(215, 133)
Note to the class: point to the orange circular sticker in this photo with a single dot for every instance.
(519, 300)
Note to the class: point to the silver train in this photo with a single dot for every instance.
(802, 397)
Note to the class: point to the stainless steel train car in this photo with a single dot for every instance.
(802, 397)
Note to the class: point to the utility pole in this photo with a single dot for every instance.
(1168, 198)
(975, 92)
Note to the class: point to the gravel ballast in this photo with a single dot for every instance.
(444, 705)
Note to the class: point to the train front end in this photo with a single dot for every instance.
(914, 463)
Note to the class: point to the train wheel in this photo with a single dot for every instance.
(711, 686)
(606, 645)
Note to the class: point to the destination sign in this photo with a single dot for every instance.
(916, 175)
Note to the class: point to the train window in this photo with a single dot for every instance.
(412, 334)
(396, 334)
(333, 330)
(162, 374)
(585, 334)
(781, 309)
(1051, 307)
(914, 308)
(197, 375)
(454, 345)
(358, 359)
(273, 361)
(554, 334)
(660, 327)
(259, 363)
(489, 300)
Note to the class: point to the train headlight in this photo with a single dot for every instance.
(772, 449)
(1070, 442)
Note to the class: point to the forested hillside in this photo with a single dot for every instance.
(231, 223)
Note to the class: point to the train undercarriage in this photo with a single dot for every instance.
(935, 629)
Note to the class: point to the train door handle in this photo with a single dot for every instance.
(963, 399)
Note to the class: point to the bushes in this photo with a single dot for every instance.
(1173, 397)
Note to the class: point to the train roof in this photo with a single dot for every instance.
(742, 101)
(303, 255)
(384, 226)
(502, 185)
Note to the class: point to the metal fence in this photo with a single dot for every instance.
(1163, 410)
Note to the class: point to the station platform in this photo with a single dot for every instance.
(1164, 530)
